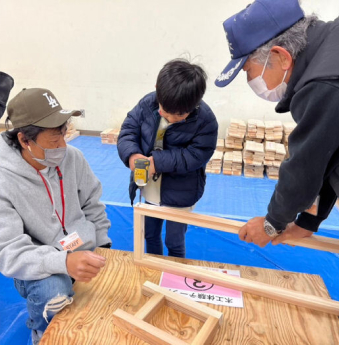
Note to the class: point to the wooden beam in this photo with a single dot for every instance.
(144, 330)
(139, 243)
(175, 301)
(261, 289)
(189, 218)
(316, 242)
(225, 225)
(152, 306)
(207, 333)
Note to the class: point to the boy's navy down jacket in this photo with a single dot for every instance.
(187, 147)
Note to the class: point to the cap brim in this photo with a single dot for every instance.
(57, 118)
(231, 71)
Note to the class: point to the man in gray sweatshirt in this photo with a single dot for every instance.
(51, 218)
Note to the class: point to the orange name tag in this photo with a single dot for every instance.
(71, 242)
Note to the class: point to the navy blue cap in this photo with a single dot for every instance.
(251, 28)
(6, 84)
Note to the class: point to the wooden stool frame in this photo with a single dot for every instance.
(245, 285)
(138, 324)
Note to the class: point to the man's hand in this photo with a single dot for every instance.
(253, 232)
(292, 231)
(152, 169)
(84, 265)
(132, 159)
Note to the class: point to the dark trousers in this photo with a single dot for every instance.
(174, 238)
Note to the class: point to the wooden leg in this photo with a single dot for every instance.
(207, 333)
(148, 310)
(139, 235)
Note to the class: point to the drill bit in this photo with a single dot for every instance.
(140, 194)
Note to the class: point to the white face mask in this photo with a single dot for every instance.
(53, 157)
(260, 88)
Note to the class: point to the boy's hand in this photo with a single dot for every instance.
(84, 265)
(132, 159)
(152, 169)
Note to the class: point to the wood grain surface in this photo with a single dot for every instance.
(88, 320)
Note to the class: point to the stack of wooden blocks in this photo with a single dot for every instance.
(220, 144)
(235, 134)
(288, 128)
(253, 157)
(273, 131)
(232, 162)
(255, 130)
(233, 142)
(109, 136)
(71, 132)
(215, 163)
(237, 128)
(275, 153)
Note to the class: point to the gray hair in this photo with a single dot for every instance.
(294, 40)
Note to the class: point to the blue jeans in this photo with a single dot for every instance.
(45, 298)
(174, 237)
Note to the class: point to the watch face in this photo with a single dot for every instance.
(269, 229)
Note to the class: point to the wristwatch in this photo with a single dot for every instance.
(270, 229)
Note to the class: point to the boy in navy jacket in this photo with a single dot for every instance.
(177, 131)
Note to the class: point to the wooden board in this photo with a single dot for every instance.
(88, 320)
(245, 285)
(221, 224)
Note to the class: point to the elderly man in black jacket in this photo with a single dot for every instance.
(292, 59)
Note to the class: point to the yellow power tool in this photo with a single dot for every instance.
(141, 174)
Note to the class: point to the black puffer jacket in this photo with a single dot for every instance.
(6, 85)
(312, 97)
(187, 147)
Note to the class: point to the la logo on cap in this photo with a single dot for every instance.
(51, 101)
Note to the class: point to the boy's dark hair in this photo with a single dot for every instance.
(180, 86)
(30, 132)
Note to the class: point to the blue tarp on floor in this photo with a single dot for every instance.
(226, 196)
(238, 198)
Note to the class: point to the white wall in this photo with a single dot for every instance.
(104, 55)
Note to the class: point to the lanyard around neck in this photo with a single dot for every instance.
(62, 220)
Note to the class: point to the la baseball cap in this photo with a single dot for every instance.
(249, 29)
(38, 107)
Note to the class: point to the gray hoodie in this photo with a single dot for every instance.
(29, 228)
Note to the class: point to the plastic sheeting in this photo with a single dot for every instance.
(238, 198)
(226, 196)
